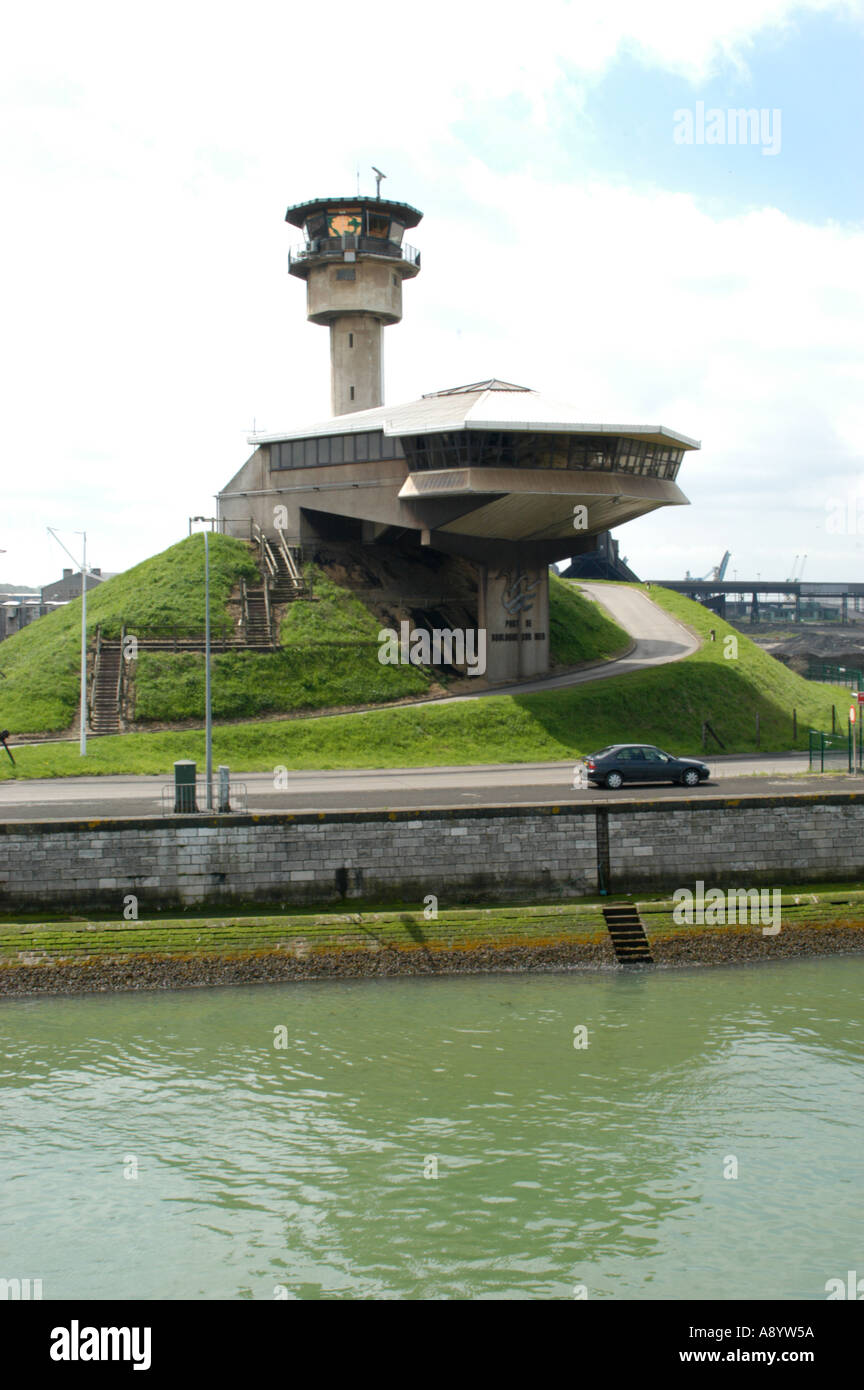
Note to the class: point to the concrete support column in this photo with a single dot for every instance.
(513, 607)
(356, 363)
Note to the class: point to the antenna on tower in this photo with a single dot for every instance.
(378, 177)
(358, 183)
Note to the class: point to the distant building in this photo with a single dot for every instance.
(18, 610)
(69, 587)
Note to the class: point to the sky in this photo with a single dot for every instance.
(586, 232)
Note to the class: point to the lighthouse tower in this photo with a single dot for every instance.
(354, 259)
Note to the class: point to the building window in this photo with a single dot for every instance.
(346, 274)
(379, 225)
(350, 339)
(351, 392)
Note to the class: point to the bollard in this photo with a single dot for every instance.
(224, 802)
(184, 786)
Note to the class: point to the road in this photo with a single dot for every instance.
(658, 638)
(75, 798)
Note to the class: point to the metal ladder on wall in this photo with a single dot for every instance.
(628, 934)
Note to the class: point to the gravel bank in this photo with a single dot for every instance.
(101, 974)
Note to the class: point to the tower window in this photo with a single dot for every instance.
(395, 279)
(352, 392)
(350, 339)
(346, 274)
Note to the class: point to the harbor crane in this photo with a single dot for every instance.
(717, 573)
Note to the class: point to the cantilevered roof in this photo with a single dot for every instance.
(408, 216)
(487, 405)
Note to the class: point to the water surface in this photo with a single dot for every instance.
(301, 1170)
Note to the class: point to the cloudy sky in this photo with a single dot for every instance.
(573, 241)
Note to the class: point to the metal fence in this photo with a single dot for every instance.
(835, 675)
(834, 752)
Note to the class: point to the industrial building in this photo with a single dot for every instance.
(448, 509)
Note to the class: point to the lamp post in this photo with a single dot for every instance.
(83, 734)
(208, 711)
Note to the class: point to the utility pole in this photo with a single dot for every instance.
(208, 703)
(208, 731)
(83, 733)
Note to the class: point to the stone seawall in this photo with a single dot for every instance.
(481, 854)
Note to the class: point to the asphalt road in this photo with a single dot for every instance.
(658, 638)
(76, 798)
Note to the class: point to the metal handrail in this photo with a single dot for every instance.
(91, 697)
(364, 245)
(290, 562)
(120, 670)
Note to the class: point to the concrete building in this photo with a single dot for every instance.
(18, 610)
(476, 489)
(69, 587)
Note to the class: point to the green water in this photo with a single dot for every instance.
(302, 1169)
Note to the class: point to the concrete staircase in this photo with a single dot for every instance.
(104, 709)
(628, 935)
(287, 581)
(257, 619)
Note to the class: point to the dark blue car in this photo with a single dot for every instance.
(641, 762)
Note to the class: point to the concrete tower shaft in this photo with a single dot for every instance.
(354, 259)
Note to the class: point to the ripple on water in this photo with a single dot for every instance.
(441, 1138)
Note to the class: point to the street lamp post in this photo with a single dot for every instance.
(208, 733)
(208, 704)
(83, 734)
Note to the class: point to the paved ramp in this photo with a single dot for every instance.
(657, 637)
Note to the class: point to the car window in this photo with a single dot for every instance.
(628, 755)
(653, 755)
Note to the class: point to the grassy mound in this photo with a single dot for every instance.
(665, 705)
(329, 658)
(40, 666)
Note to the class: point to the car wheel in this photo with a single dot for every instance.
(614, 780)
(691, 777)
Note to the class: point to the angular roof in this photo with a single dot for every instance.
(484, 405)
(298, 212)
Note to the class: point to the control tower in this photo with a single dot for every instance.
(354, 259)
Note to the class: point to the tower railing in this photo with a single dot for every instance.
(365, 245)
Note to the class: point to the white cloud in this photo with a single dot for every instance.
(147, 161)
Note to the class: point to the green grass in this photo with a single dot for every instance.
(578, 629)
(41, 664)
(170, 687)
(329, 658)
(201, 934)
(666, 706)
